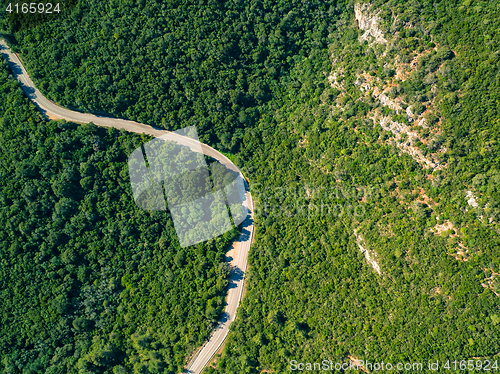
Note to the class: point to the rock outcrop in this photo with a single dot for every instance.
(369, 24)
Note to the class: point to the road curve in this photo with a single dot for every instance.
(241, 246)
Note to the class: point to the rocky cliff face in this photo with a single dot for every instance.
(368, 23)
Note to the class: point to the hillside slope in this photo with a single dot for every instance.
(370, 134)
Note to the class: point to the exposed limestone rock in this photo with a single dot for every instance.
(386, 101)
(471, 199)
(333, 78)
(409, 112)
(370, 257)
(369, 24)
(398, 129)
(387, 91)
(491, 281)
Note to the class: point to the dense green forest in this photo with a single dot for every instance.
(210, 64)
(89, 282)
(396, 136)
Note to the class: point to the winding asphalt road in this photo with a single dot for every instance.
(237, 256)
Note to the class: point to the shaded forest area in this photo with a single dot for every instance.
(254, 78)
(210, 64)
(90, 282)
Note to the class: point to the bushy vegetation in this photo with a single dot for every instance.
(89, 282)
(211, 64)
(253, 78)
(312, 294)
